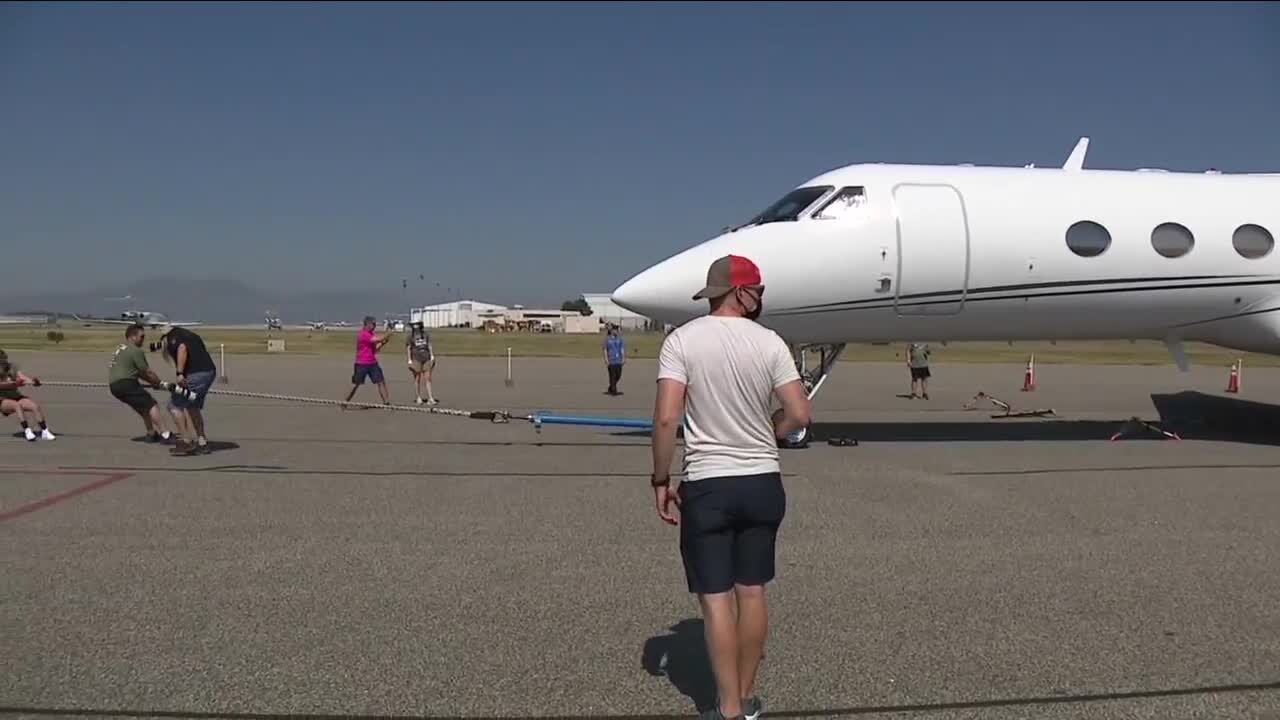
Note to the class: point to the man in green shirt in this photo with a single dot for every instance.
(128, 367)
(918, 362)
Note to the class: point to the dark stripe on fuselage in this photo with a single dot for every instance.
(887, 303)
(1027, 286)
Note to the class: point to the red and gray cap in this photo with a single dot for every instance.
(727, 274)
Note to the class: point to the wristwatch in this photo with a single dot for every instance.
(653, 480)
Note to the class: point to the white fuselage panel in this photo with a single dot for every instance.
(962, 253)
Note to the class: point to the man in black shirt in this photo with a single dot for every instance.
(195, 372)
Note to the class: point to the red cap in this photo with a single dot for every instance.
(728, 273)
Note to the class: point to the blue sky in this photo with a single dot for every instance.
(490, 147)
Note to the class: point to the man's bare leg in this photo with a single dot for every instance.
(14, 407)
(28, 405)
(719, 612)
(753, 627)
(152, 420)
(382, 390)
(181, 423)
(197, 424)
(350, 395)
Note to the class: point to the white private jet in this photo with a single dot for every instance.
(894, 253)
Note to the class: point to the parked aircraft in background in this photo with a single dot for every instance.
(145, 318)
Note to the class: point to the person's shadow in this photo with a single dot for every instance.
(681, 656)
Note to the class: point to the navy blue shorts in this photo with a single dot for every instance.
(729, 530)
(373, 372)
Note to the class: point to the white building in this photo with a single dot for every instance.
(460, 313)
(475, 314)
(603, 307)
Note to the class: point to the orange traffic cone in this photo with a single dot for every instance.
(1029, 378)
(1233, 382)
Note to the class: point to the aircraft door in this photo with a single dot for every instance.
(933, 249)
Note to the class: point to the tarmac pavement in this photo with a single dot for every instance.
(369, 563)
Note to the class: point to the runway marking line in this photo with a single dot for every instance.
(103, 480)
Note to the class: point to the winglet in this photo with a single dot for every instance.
(1075, 161)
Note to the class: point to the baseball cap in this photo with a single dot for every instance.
(728, 273)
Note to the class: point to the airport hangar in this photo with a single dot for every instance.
(481, 315)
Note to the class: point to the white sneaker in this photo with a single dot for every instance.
(31, 435)
(46, 435)
(420, 401)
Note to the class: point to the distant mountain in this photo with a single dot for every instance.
(214, 301)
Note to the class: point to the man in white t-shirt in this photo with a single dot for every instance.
(720, 373)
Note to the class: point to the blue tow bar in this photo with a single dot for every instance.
(541, 418)
(795, 439)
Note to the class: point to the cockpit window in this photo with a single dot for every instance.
(847, 202)
(791, 205)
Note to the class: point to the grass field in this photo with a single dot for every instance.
(474, 343)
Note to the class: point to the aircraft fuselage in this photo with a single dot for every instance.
(986, 253)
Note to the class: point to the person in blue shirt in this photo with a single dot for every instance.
(615, 356)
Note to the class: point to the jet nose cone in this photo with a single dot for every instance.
(662, 292)
(639, 294)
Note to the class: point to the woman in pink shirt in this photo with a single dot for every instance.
(366, 366)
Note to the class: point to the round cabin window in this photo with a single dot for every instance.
(1172, 240)
(1252, 241)
(1088, 239)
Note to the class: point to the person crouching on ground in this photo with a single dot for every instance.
(13, 401)
(128, 367)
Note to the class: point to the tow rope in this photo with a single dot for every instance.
(538, 419)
